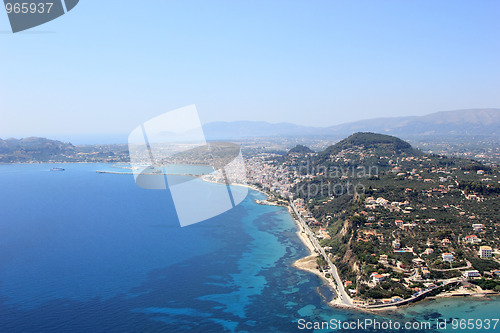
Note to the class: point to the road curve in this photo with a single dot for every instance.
(341, 293)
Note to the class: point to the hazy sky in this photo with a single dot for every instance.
(108, 65)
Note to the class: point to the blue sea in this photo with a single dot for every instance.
(88, 252)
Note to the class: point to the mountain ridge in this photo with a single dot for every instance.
(455, 123)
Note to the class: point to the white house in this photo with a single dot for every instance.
(447, 257)
(477, 227)
(469, 274)
(472, 239)
(382, 201)
(377, 278)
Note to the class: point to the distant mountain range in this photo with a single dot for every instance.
(246, 129)
(446, 123)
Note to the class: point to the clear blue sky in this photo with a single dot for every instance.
(107, 66)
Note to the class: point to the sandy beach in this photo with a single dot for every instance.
(309, 263)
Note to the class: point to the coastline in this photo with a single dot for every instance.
(308, 263)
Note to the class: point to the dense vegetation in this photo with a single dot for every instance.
(370, 140)
(36, 149)
(300, 149)
(437, 199)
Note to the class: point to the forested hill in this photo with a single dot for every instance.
(300, 149)
(36, 149)
(32, 148)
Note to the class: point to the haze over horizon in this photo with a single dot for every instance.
(103, 69)
(469, 122)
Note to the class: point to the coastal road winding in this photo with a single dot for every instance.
(341, 294)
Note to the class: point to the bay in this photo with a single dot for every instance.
(88, 252)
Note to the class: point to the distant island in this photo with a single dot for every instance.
(42, 150)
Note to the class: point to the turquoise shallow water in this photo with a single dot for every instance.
(88, 252)
(456, 311)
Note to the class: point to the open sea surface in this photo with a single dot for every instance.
(88, 252)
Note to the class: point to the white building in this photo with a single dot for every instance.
(485, 252)
(477, 227)
(382, 201)
(472, 239)
(377, 278)
(469, 274)
(447, 257)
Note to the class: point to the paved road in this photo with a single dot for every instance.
(413, 298)
(344, 297)
(341, 293)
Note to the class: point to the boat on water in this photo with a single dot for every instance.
(57, 169)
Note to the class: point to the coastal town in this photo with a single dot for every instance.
(387, 234)
(386, 224)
